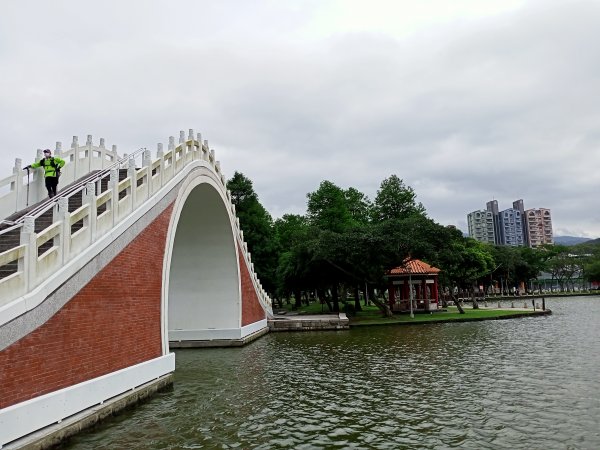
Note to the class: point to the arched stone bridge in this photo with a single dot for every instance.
(151, 256)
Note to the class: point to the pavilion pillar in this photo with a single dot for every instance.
(435, 289)
(391, 293)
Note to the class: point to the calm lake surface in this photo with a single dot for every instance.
(531, 383)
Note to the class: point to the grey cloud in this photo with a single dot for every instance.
(497, 108)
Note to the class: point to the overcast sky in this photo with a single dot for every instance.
(465, 100)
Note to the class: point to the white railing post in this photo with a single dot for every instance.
(182, 150)
(89, 198)
(147, 178)
(160, 154)
(61, 214)
(88, 153)
(205, 147)
(189, 151)
(18, 190)
(132, 174)
(37, 188)
(30, 258)
(113, 185)
(75, 148)
(198, 153)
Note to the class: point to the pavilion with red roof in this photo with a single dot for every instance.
(423, 279)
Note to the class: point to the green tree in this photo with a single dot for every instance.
(395, 200)
(257, 226)
(291, 235)
(327, 208)
(561, 264)
(359, 206)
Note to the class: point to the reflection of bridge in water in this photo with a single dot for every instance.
(137, 255)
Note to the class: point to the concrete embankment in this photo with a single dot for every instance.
(316, 322)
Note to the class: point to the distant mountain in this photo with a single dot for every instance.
(593, 242)
(570, 240)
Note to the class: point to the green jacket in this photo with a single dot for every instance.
(51, 165)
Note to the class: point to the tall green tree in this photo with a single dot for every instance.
(328, 209)
(395, 200)
(291, 235)
(359, 206)
(257, 226)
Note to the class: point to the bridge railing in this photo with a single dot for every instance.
(70, 233)
(15, 194)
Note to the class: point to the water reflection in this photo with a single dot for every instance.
(527, 383)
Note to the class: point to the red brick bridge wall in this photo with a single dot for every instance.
(111, 323)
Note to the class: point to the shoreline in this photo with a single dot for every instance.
(507, 314)
(530, 296)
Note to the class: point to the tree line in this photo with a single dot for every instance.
(345, 243)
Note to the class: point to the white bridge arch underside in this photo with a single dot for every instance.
(202, 278)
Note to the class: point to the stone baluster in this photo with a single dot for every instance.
(205, 151)
(172, 151)
(115, 156)
(113, 185)
(63, 240)
(132, 174)
(19, 191)
(29, 263)
(89, 198)
(147, 168)
(88, 153)
(198, 154)
(75, 149)
(160, 154)
(190, 149)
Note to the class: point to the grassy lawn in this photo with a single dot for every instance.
(375, 318)
(370, 315)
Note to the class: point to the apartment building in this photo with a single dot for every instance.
(519, 205)
(539, 224)
(511, 223)
(492, 206)
(481, 226)
(513, 226)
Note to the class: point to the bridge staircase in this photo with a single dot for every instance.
(69, 346)
(43, 211)
(39, 239)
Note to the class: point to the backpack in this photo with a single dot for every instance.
(53, 164)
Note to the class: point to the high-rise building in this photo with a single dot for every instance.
(519, 205)
(539, 224)
(481, 226)
(514, 226)
(492, 206)
(511, 224)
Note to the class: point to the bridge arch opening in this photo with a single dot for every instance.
(201, 283)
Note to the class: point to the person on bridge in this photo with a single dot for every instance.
(52, 166)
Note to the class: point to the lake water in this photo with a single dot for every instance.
(531, 383)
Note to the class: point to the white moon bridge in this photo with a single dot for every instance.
(136, 255)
